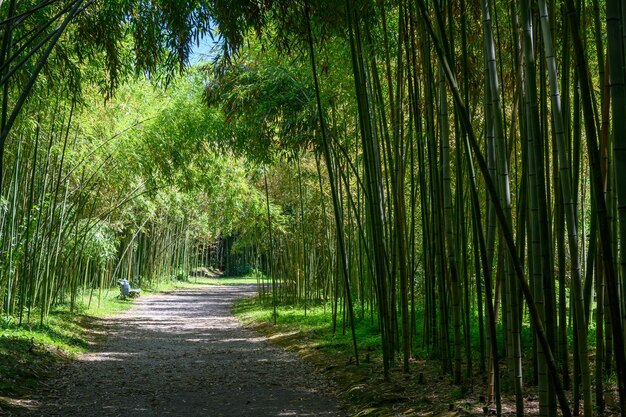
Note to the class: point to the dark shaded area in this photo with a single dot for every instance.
(22, 364)
(25, 361)
(183, 354)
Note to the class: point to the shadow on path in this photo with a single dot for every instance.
(184, 354)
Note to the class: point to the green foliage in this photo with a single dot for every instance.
(130, 36)
(96, 241)
(133, 186)
(223, 162)
(268, 107)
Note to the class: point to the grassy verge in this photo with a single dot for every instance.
(315, 328)
(31, 353)
(425, 390)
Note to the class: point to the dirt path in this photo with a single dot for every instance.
(184, 354)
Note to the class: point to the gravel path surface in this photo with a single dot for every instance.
(184, 354)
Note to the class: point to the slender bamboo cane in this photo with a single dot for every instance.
(508, 237)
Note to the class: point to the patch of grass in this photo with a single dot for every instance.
(191, 282)
(32, 352)
(169, 285)
(226, 280)
(314, 327)
(98, 303)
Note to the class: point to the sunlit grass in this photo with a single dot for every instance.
(315, 328)
(194, 282)
(230, 281)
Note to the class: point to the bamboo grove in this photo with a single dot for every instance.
(450, 171)
(85, 204)
(472, 161)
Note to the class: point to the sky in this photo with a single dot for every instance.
(205, 51)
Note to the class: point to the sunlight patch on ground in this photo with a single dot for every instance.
(19, 403)
(283, 334)
(245, 339)
(108, 356)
